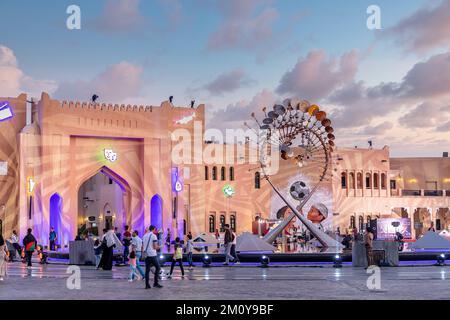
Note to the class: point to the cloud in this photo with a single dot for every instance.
(444, 127)
(425, 29)
(117, 83)
(235, 114)
(14, 81)
(247, 25)
(120, 16)
(427, 114)
(228, 82)
(380, 129)
(315, 76)
(425, 84)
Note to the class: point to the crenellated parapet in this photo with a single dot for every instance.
(76, 105)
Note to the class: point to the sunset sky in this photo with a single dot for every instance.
(391, 86)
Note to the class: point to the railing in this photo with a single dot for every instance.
(433, 193)
(414, 193)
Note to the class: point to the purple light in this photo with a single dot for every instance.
(5, 111)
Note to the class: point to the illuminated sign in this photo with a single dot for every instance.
(5, 111)
(186, 120)
(110, 155)
(228, 191)
(177, 185)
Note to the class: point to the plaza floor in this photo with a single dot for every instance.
(241, 282)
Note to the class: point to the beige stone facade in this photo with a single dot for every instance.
(66, 144)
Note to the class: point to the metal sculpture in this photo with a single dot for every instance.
(304, 137)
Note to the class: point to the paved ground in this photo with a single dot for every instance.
(237, 283)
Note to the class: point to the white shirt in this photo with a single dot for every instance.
(14, 239)
(137, 243)
(148, 242)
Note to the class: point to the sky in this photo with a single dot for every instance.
(388, 85)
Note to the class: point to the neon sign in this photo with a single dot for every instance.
(177, 185)
(228, 191)
(110, 155)
(5, 111)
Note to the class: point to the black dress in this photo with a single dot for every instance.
(107, 257)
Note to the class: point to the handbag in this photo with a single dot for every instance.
(145, 254)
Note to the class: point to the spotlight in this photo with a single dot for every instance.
(440, 260)
(265, 261)
(337, 261)
(192, 104)
(94, 98)
(206, 261)
(171, 99)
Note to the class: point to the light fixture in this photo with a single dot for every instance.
(206, 261)
(440, 260)
(337, 261)
(264, 261)
(161, 259)
(5, 111)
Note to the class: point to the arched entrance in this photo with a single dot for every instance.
(156, 211)
(104, 201)
(56, 204)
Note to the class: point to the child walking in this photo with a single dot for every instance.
(177, 257)
(97, 252)
(132, 262)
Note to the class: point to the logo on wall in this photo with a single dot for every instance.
(186, 120)
(228, 191)
(177, 185)
(31, 185)
(110, 155)
(5, 111)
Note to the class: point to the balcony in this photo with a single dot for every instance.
(419, 193)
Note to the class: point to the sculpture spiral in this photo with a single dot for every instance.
(304, 137)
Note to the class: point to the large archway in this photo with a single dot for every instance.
(156, 211)
(104, 201)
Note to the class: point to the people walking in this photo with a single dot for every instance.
(217, 236)
(228, 241)
(3, 258)
(168, 239)
(110, 241)
(190, 250)
(30, 243)
(97, 252)
(150, 245)
(177, 257)
(126, 244)
(14, 240)
(133, 264)
(52, 238)
(368, 243)
(136, 245)
(233, 248)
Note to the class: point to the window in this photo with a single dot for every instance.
(222, 174)
(359, 180)
(344, 180)
(393, 184)
(206, 173)
(368, 181)
(375, 180)
(383, 181)
(352, 222)
(231, 173)
(257, 180)
(352, 180)
(184, 227)
(361, 222)
(212, 224)
(222, 223)
(233, 222)
(214, 173)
